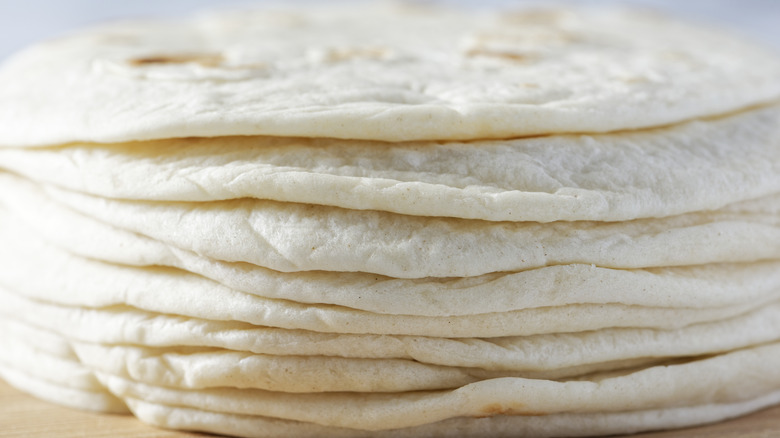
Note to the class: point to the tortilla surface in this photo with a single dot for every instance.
(357, 72)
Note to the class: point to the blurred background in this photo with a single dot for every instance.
(23, 22)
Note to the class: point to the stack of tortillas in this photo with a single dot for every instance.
(397, 220)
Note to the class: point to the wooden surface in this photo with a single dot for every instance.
(22, 415)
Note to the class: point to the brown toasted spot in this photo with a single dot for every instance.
(529, 413)
(509, 56)
(207, 60)
(499, 409)
(494, 409)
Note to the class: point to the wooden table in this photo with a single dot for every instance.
(22, 415)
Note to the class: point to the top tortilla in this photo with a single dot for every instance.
(391, 73)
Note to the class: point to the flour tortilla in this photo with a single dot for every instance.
(47, 340)
(174, 293)
(244, 425)
(295, 237)
(23, 353)
(127, 325)
(77, 398)
(208, 368)
(686, 286)
(701, 165)
(199, 368)
(378, 73)
(547, 426)
(732, 377)
(42, 363)
(229, 423)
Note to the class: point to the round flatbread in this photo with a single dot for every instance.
(700, 165)
(392, 73)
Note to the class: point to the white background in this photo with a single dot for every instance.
(23, 22)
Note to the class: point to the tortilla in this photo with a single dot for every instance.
(77, 398)
(376, 73)
(686, 286)
(699, 165)
(297, 237)
(731, 377)
(546, 426)
(125, 325)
